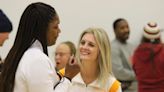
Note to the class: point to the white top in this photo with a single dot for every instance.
(36, 72)
(78, 85)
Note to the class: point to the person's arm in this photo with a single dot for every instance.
(63, 85)
(119, 71)
(70, 71)
(37, 74)
(41, 76)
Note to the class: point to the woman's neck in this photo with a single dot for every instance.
(89, 71)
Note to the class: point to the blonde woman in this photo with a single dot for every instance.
(94, 59)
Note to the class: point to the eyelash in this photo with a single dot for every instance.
(90, 44)
(82, 42)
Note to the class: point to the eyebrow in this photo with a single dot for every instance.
(94, 43)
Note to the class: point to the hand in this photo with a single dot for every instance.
(72, 60)
(72, 68)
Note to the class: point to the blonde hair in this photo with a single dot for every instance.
(104, 58)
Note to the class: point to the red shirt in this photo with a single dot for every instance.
(148, 64)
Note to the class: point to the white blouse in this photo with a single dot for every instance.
(36, 72)
(78, 85)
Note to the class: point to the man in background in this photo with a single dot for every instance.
(5, 29)
(121, 53)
